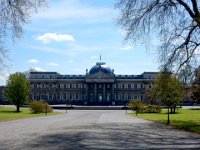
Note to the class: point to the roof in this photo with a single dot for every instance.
(100, 67)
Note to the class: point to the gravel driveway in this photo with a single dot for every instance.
(94, 129)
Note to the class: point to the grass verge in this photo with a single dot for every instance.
(187, 119)
(8, 114)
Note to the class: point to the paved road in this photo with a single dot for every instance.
(94, 129)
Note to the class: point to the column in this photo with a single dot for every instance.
(61, 96)
(104, 92)
(47, 96)
(113, 93)
(95, 91)
(86, 92)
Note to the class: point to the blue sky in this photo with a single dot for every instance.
(69, 36)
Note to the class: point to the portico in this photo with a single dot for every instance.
(100, 85)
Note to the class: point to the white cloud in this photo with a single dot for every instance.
(50, 37)
(52, 64)
(126, 48)
(33, 61)
(37, 69)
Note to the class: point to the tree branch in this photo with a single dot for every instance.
(184, 44)
(181, 2)
(195, 7)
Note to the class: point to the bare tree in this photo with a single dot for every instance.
(13, 15)
(176, 23)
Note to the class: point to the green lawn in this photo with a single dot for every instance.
(186, 119)
(8, 114)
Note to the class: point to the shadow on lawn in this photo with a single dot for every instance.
(191, 125)
(116, 136)
(8, 111)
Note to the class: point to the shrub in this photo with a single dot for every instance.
(152, 109)
(136, 105)
(39, 106)
(139, 107)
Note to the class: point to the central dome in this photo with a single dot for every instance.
(100, 67)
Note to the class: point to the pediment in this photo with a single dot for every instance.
(100, 77)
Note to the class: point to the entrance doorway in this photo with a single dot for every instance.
(108, 97)
(100, 97)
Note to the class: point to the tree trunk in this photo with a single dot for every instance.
(18, 108)
(174, 110)
(171, 109)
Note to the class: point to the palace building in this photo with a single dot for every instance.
(99, 86)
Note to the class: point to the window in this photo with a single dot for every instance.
(118, 98)
(132, 86)
(138, 86)
(50, 96)
(122, 96)
(76, 96)
(34, 96)
(58, 96)
(135, 97)
(115, 96)
(64, 96)
(68, 96)
(73, 85)
(142, 97)
(135, 86)
(132, 96)
(129, 97)
(42, 85)
(126, 96)
(139, 96)
(125, 86)
(47, 85)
